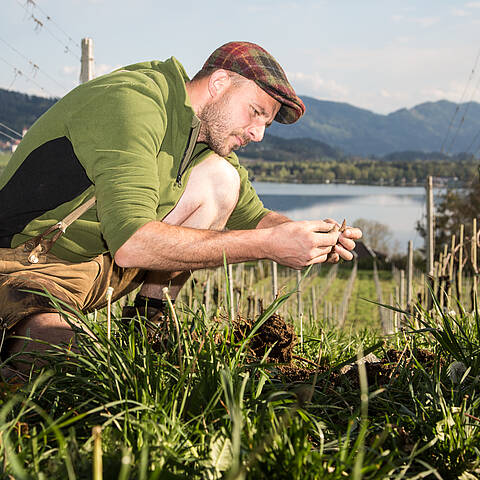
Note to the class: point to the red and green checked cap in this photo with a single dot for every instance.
(255, 63)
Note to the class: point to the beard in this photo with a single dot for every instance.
(217, 130)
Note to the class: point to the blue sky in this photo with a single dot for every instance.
(376, 54)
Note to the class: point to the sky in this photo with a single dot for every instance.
(381, 55)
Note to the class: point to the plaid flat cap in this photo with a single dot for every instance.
(255, 63)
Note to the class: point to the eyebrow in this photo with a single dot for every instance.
(262, 112)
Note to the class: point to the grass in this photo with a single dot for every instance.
(4, 158)
(201, 407)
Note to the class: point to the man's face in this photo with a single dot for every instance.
(237, 117)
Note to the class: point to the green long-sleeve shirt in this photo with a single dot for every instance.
(129, 139)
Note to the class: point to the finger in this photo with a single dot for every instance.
(352, 232)
(322, 251)
(326, 239)
(346, 243)
(319, 259)
(333, 257)
(320, 226)
(343, 253)
(331, 220)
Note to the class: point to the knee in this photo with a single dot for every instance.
(220, 182)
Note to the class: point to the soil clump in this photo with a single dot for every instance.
(279, 338)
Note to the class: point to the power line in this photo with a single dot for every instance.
(39, 25)
(8, 136)
(473, 141)
(19, 73)
(50, 19)
(464, 116)
(11, 129)
(461, 100)
(34, 65)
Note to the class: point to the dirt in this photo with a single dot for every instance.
(276, 334)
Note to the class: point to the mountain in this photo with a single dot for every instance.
(362, 132)
(328, 129)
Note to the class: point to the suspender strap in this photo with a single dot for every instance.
(41, 244)
(77, 213)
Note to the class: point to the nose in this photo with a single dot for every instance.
(256, 132)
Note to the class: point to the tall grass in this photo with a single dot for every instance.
(213, 411)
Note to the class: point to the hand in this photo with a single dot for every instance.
(299, 244)
(345, 242)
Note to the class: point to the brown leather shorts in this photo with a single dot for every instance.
(82, 286)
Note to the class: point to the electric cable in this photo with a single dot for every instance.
(19, 73)
(8, 136)
(11, 129)
(39, 25)
(461, 100)
(34, 65)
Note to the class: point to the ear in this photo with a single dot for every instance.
(218, 82)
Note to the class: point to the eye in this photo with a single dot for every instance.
(256, 113)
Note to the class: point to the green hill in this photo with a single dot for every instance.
(327, 130)
(361, 132)
(18, 110)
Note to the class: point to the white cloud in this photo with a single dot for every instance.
(70, 70)
(452, 91)
(425, 22)
(472, 5)
(422, 21)
(405, 75)
(102, 68)
(456, 12)
(316, 85)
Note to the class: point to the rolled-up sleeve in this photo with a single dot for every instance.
(249, 209)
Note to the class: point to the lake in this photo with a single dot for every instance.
(397, 207)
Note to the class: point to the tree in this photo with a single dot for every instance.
(376, 235)
(455, 207)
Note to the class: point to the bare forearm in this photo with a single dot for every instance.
(158, 246)
(271, 219)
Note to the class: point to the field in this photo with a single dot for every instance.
(257, 395)
(4, 158)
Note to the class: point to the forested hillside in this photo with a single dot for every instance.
(18, 110)
(330, 130)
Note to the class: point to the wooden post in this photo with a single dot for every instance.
(301, 332)
(274, 280)
(430, 232)
(430, 246)
(206, 300)
(393, 321)
(460, 265)
(401, 293)
(439, 276)
(230, 286)
(87, 61)
(250, 279)
(261, 270)
(450, 273)
(473, 257)
(410, 276)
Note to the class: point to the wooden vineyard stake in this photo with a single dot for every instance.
(460, 265)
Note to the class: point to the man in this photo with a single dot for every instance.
(130, 180)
